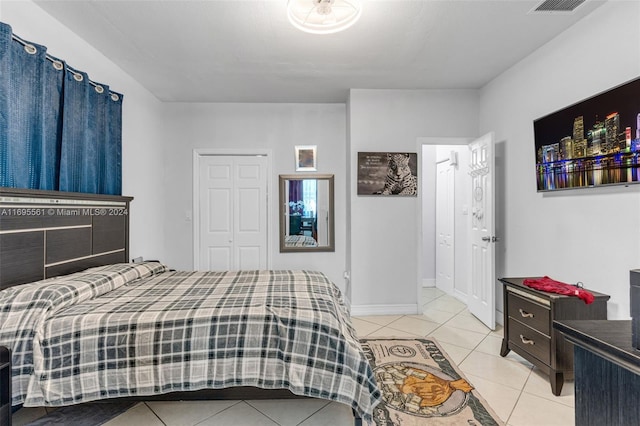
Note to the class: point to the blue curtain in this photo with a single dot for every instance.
(112, 148)
(58, 129)
(30, 101)
(295, 197)
(91, 137)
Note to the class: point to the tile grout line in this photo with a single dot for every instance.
(220, 412)
(150, 409)
(519, 396)
(314, 413)
(247, 401)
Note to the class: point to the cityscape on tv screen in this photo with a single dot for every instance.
(592, 143)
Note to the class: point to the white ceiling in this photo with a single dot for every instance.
(247, 51)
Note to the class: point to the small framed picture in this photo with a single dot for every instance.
(306, 158)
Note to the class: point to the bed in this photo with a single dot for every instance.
(300, 241)
(141, 330)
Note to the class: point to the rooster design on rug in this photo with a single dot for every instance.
(432, 389)
(417, 391)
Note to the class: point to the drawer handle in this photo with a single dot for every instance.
(525, 314)
(527, 341)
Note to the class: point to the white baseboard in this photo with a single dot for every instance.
(364, 310)
(428, 282)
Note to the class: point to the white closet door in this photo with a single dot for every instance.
(445, 226)
(232, 212)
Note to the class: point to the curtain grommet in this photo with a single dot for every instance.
(115, 97)
(78, 77)
(99, 89)
(58, 65)
(30, 49)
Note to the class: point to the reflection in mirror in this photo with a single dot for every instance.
(306, 213)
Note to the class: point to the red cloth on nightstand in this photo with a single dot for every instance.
(552, 286)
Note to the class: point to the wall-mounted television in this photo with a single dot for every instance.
(592, 143)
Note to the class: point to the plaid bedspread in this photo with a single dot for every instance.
(300, 241)
(137, 329)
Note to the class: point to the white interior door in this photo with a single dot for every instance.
(232, 212)
(481, 300)
(445, 226)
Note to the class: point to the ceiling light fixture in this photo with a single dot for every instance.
(323, 16)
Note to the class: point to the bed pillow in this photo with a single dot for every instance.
(55, 293)
(129, 271)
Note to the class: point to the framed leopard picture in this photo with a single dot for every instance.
(388, 173)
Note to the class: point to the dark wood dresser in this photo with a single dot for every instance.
(5, 386)
(528, 326)
(607, 372)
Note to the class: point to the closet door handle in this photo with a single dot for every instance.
(527, 341)
(525, 314)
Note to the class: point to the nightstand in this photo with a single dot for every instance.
(5, 386)
(529, 332)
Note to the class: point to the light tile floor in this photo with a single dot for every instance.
(518, 392)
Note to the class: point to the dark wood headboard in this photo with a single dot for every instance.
(44, 234)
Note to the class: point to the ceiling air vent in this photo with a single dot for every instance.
(558, 5)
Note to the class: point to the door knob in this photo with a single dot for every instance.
(490, 239)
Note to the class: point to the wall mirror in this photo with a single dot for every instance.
(306, 213)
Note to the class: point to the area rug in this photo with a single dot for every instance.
(421, 385)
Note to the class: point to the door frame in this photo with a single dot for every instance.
(228, 152)
(420, 142)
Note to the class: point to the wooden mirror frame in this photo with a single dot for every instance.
(284, 211)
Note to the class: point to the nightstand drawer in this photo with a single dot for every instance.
(532, 314)
(530, 341)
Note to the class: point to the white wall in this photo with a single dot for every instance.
(141, 129)
(385, 231)
(275, 127)
(588, 235)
